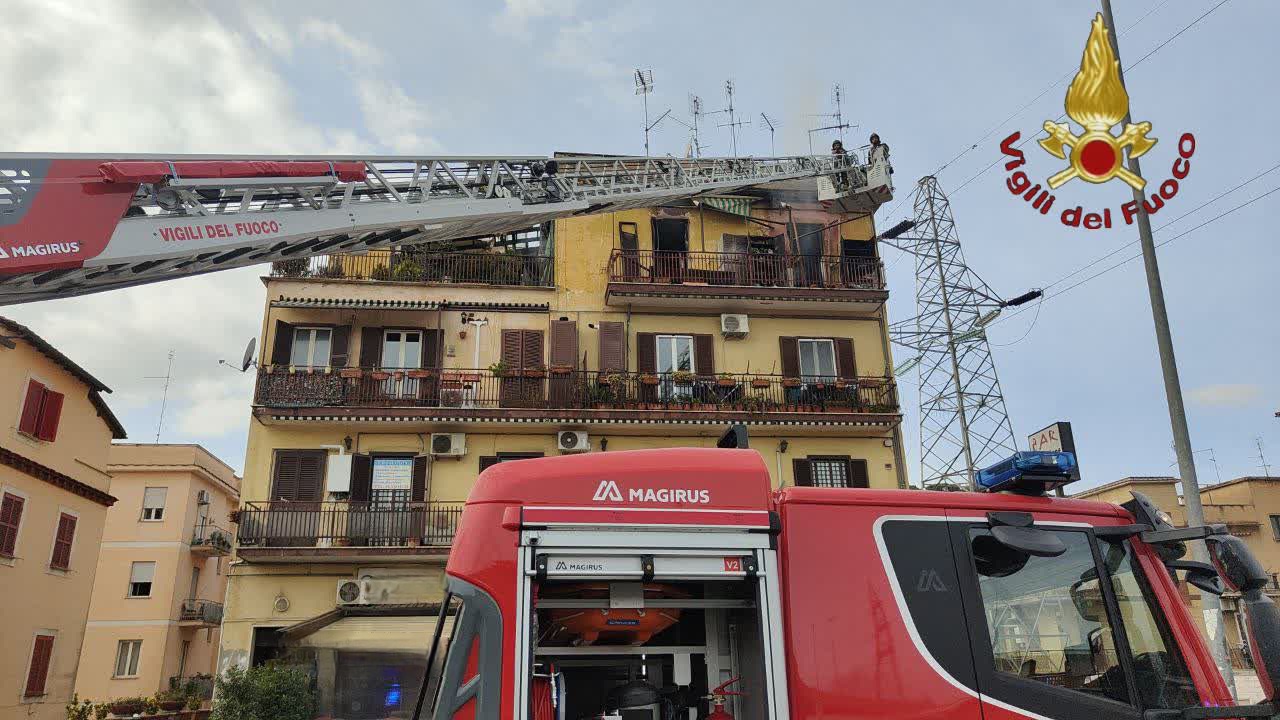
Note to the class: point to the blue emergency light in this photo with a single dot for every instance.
(1029, 473)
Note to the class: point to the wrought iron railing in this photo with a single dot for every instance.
(746, 269)
(208, 535)
(204, 611)
(565, 388)
(392, 523)
(421, 267)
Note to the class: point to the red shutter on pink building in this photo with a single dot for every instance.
(50, 414)
(30, 422)
(62, 542)
(10, 518)
(38, 673)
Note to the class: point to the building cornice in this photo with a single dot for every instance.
(47, 474)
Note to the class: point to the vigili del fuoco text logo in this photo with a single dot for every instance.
(1097, 101)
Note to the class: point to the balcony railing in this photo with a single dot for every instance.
(746, 269)
(208, 537)
(391, 523)
(206, 612)
(561, 388)
(408, 266)
(199, 685)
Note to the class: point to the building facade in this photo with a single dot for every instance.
(162, 572)
(1248, 506)
(389, 380)
(54, 495)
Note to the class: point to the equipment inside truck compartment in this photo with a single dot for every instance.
(651, 650)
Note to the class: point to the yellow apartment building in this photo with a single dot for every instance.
(1249, 507)
(162, 572)
(54, 495)
(388, 380)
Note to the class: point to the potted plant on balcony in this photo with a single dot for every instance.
(498, 369)
(379, 375)
(561, 369)
(382, 272)
(127, 707)
(420, 373)
(534, 372)
(219, 540)
(682, 377)
(726, 380)
(649, 379)
(760, 383)
(171, 700)
(614, 380)
(407, 271)
(791, 382)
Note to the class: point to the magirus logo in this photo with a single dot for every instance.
(608, 491)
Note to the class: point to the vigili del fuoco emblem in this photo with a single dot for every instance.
(1097, 101)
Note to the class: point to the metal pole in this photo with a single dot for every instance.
(1209, 602)
(951, 348)
(646, 123)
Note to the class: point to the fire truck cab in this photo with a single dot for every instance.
(656, 584)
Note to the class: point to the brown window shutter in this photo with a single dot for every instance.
(299, 475)
(50, 413)
(564, 342)
(789, 350)
(282, 343)
(512, 348)
(801, 474)
(420, 478)
(646, 353)
(531, 349)
(340, 347)
(488, 461)
(63, 541)
(704, 355)
(284, 483)
(431, 338)
(612, 355)
(361, 478)
(38, 672)
(370, 346)
(858, 476)
(846, 364)
(10, 518)
(30, 421)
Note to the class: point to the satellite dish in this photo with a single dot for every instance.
(247, 360)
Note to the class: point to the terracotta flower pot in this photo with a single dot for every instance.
(351, 373)
(420, 374)
(726, 382)
(760, 383)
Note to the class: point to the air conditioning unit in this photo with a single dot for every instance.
(449, 444)
(349, 592)
(734, 325)
(573, 441)
(202, 497)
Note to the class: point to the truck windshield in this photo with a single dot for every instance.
(1048, 620)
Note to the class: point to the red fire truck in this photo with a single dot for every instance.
(657, 584)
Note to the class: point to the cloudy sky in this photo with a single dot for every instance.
(941, 82)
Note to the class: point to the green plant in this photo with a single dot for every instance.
(297, 267)
(274, 691)
(128, 706)
(498, 369)
(682, 377)
(79, 709)
(333, 269)
(408, 270)
(382, 272)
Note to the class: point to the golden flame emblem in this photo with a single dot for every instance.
(1097, 101)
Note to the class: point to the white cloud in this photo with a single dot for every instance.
(516, 15)
(396, 119)
(1225, 395)
(327, 31)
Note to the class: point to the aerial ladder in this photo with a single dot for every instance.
(78, 224)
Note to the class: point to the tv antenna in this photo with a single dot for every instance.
(837, 95)
(769, 123)
(695, 112)
(644, 86)
(1262, 458)
(164, 399)
(733, 124)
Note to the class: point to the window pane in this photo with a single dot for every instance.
(808, 364)
(665, 354)
(825, 352)
(320, 350)
(298, 354)
(412, 350)
(1163, 680)
(122, 658)
(1046, 617)
(830, 473)
(684, 353)
(153, 499)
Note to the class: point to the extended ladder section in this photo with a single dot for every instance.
(76, 224)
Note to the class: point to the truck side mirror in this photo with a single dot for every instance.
(1017, 530)
(1242, 572)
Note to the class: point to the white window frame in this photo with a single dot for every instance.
(151, 582)
(311, 346)
(816, 376)
(669, 389)
(403, 387)
(22, 521)
(164, 500)
(132, 658)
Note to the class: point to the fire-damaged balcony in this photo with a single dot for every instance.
(725, 281)
(200, 613)
(383, 530)
(562, 394)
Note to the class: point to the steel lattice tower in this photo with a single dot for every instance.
(963, 422)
